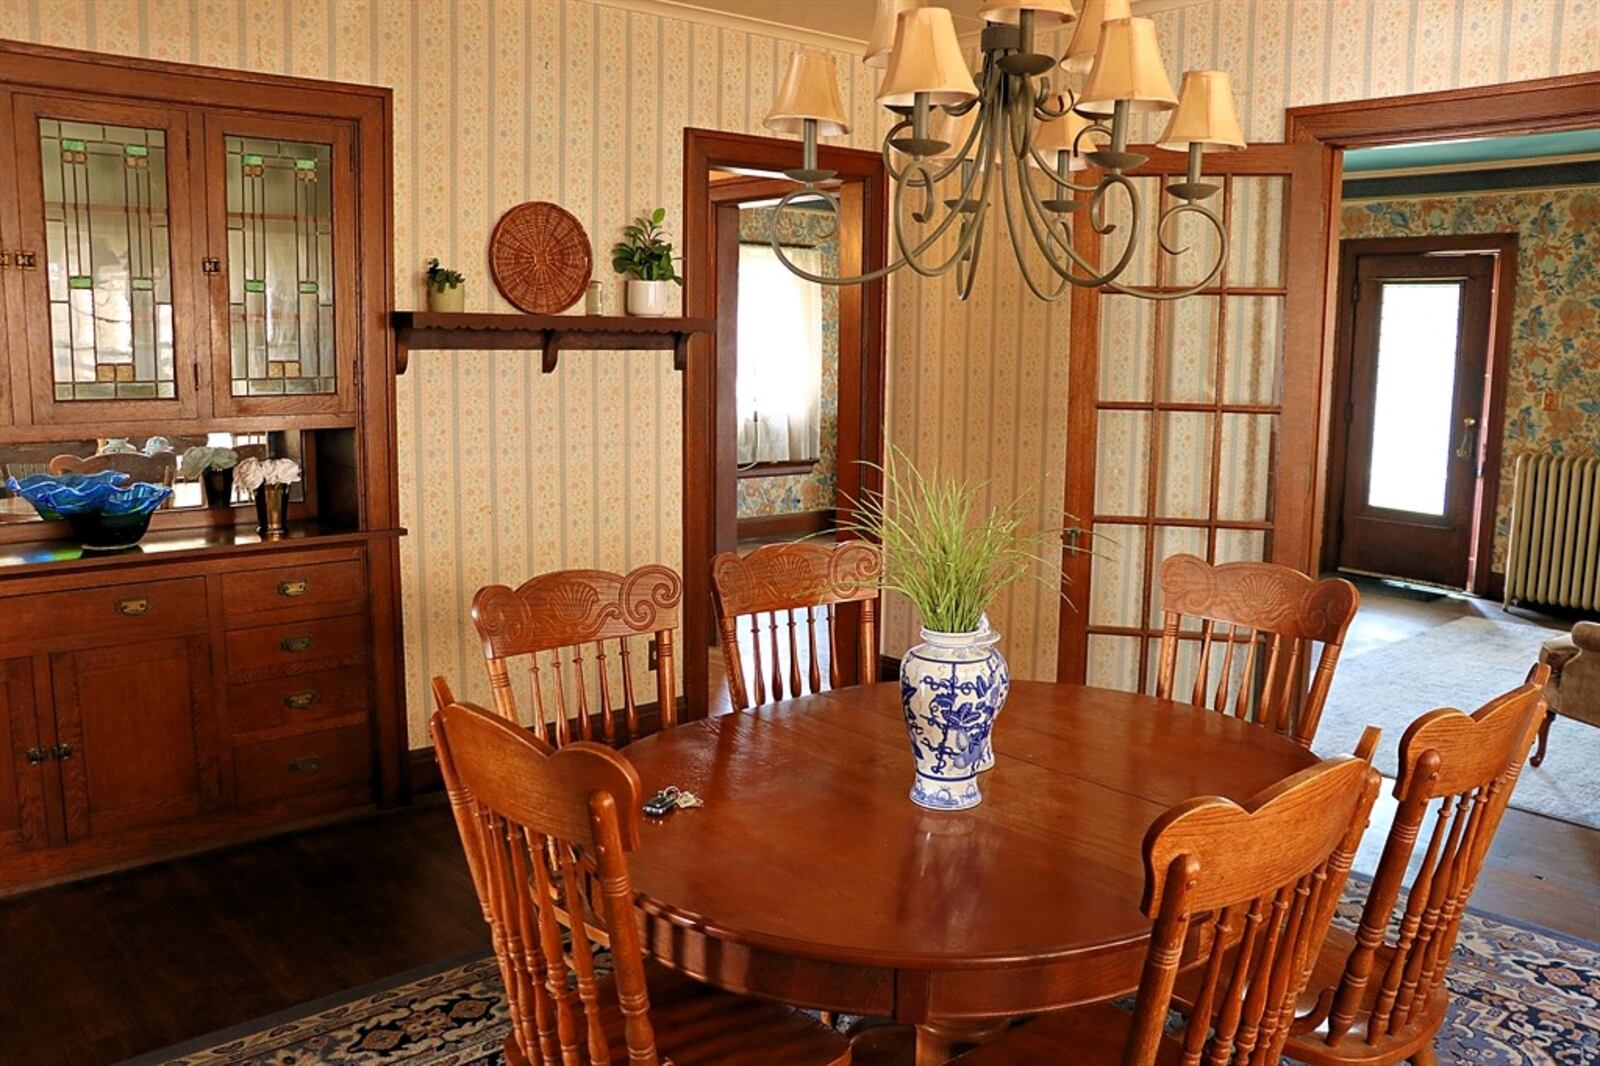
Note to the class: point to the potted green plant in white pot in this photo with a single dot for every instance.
(447, 289)
(951, 558)
(644, 256)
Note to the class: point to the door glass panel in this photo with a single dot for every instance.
(1127, 332)
(1253, 350)
(1413, 396)
(1117, 576)
(1122, 464)
(1244, 476)
(1255, 230)
(1189, 350)
(280, 266)
(1183, 487)
(108, 263)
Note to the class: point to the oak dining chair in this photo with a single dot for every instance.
(1263, 622)
(532, 818)
(789, 583)
(553, 619)
(158, 469)
(1380, 994)
(1260, 881)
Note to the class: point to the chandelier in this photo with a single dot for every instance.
(1008, 134)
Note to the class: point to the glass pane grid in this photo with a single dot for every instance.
(1188, 427)
(280, 267)
(107, 260)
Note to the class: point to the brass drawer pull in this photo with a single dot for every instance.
(135, 606)
(296, 643)
(294, 588)
(299, 701)
(308, 764)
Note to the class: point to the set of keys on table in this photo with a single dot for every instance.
(670, 799)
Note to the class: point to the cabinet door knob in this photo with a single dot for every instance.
(299, 701)
(136, 605)
(294, 588)
(308, 764)
(36, 755)
(296, 643)
(62, 751)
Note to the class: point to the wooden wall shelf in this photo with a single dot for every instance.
(548, 334)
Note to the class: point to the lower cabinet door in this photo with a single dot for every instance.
(136, 741)
(24, 763)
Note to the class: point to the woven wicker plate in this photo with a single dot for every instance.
(539, 257)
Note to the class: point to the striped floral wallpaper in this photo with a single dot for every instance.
(506, 473)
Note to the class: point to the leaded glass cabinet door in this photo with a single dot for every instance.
(1192, 422)
(103, 198)
(281, 236)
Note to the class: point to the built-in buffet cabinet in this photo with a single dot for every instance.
(193, 257)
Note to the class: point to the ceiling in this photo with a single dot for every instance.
(1473, 153)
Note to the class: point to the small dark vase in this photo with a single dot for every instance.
(218, 485)
(272, 510)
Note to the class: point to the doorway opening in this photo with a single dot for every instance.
(1419, 407)
(783, 403)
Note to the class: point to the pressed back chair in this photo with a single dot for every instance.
(533, 819)
(563, 613)
(1266, 619)
(781, 581)
(157, 469)
(1261, 881)
(1380, 995)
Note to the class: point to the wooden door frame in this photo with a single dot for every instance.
(709, 419)
(1503, 247)
(1544, 105)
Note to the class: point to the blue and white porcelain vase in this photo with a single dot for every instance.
(951, 686)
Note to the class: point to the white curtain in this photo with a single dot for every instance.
(780, 356)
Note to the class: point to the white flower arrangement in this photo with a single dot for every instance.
(197, 460)
(253, 473)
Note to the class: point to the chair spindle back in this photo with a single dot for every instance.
(1463, 767)
(1266, 878)
(792, 582)
(561, 614)
(1266, 619)
(525, 810)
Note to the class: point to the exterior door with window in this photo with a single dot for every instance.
(1192, 422)
(1418, 341)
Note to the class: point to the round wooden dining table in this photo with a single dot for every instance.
(810, 877)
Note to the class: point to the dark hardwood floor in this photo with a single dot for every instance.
(100, 970)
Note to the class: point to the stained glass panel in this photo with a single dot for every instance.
(280, 267)
(108, 261)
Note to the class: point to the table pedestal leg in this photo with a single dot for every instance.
(938, 1041)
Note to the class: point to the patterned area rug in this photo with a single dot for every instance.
(1520, 996)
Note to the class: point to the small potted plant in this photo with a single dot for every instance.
(268, 480)
(645, 258)
(214, 467)
(951, 558)
(447, 290)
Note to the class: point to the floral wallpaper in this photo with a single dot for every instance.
(790, 493)
(1553, 375)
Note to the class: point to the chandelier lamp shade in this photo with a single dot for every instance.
(1005, 137)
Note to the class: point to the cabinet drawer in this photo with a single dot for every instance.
(297, 647)
(316, 590)
(298, 703)
(117, 612)
(274, 769)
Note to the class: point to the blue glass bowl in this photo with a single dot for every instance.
(103, 513)
(55, 496)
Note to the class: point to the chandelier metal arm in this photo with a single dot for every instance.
(1064, 281)
(1034, 212)
(1216, 267)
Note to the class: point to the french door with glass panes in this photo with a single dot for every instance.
(1192, 422)
(279, 270)
(105, 235)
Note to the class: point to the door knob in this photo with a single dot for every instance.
(1469, 438)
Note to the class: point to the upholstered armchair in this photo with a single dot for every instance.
(1574, 689)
